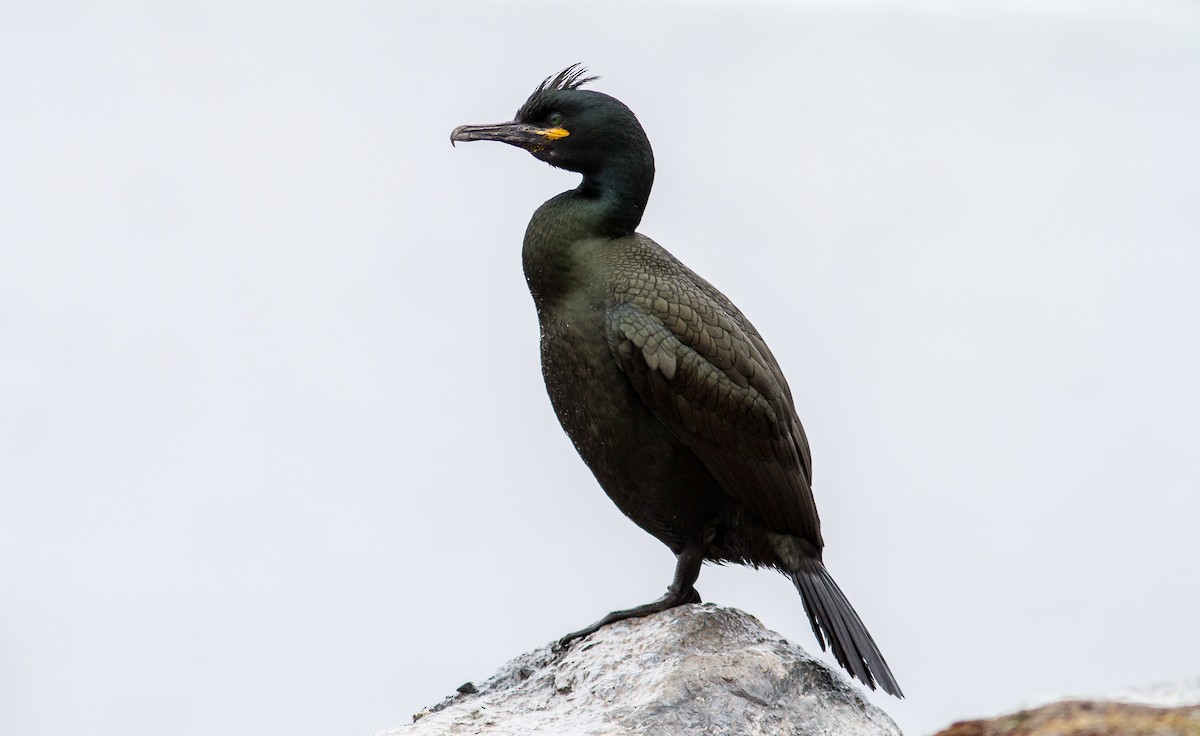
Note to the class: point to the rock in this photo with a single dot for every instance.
(1163, 694)
(697, 669)
(1087, 718)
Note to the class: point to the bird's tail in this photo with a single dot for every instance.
(834, 621)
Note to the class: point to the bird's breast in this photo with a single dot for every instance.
(648, 473)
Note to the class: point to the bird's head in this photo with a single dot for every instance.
(568, 127)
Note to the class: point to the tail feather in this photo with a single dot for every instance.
(835, 623)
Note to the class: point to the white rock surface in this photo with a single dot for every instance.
(1171, 694)
(1163, 695)
(697, 669)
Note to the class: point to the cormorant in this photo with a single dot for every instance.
(669, 394)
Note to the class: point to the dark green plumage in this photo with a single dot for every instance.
(670, 395)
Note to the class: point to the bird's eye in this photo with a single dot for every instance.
(555, 119)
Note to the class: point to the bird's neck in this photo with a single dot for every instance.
(606, 205)
(613, 199)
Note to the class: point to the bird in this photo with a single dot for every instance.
(669, 394)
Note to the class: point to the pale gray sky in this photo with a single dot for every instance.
(275, 456)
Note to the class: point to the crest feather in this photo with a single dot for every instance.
(573, 77)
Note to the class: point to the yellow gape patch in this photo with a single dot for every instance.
(554, 134)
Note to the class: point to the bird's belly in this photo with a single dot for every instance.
(651, 476)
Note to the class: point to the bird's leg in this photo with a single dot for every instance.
(687, 569)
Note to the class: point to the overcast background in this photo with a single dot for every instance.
(275, 455)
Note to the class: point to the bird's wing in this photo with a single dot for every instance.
(709, 377)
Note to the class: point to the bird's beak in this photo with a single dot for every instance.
(529, 137)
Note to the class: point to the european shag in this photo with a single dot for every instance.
(669, 394)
